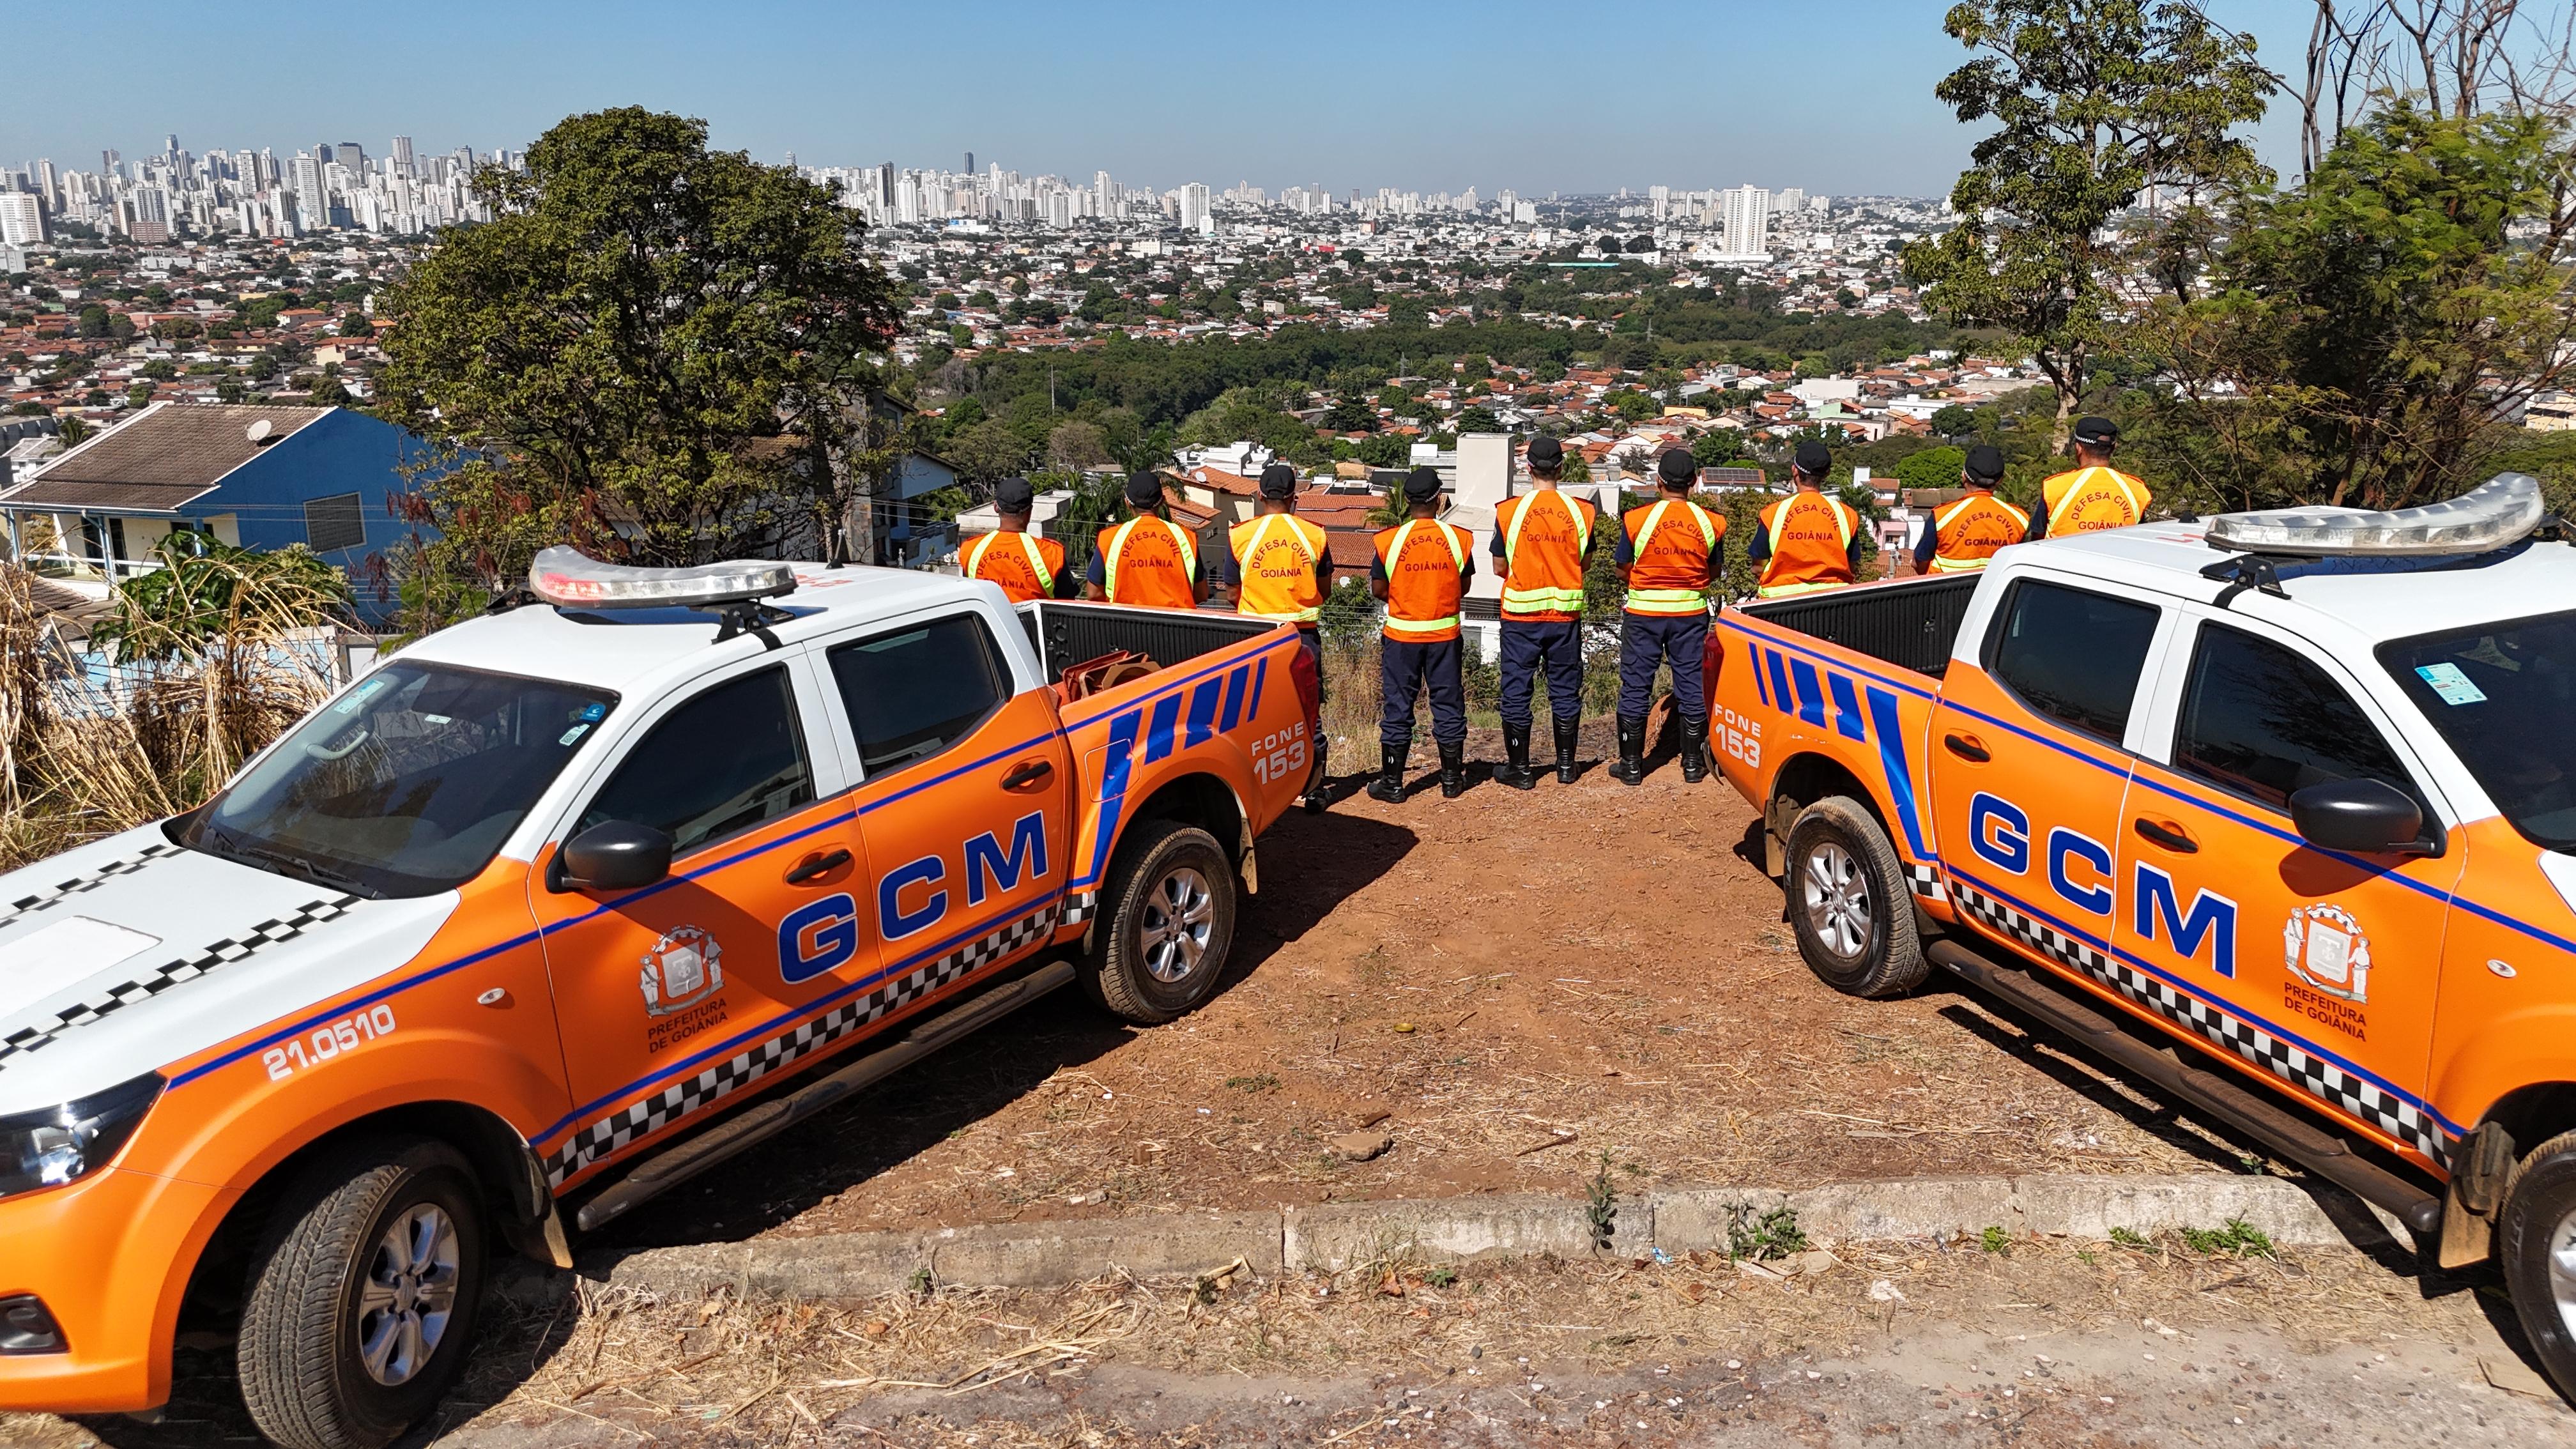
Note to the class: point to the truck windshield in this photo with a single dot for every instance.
(2502, 695)
(405, 786)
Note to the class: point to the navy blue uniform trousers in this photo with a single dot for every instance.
(1651, 639)
(1406, 670)
(1526, 642)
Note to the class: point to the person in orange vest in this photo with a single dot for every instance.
(1540, 541)
(1148, 560)
(1025, 565)
(1280, 567)
(2092, 495)
(1421, 573)
(1806, 541)
(1961, 536)
(1668, 551)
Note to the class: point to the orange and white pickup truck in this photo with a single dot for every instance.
(518, 926)
(2295, 792)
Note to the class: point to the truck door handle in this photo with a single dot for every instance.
(1966, 747)
(2171, 837)
(1027, 773)
(817, 865)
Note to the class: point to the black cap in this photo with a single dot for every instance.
(1279, 480)
(1144, 489)
(2096, 432)
(1421, 485)
(1546, 452)
(1985, 464)
(1814, 459)
(1013, 495)
(1677, 468)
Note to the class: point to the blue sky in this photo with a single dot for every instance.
(1831, 95)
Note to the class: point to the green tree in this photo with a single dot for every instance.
(2093, 102)
(1931, 468)
(356, 325)
(93, 321)
(987, 451)
(638, 316)
(1953, 420)
(1074, 446)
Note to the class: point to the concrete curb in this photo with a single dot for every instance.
(1338, 1236)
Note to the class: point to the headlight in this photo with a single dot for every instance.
(54, 1145)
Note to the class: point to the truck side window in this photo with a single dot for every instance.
(2072, 656)
(717, 765)
(2260, 721)
(915, 693)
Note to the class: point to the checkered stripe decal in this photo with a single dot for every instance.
(1080, 906)
(62, 890)
(612, 1133)
(1925, 881)
(2321, 1079)
(170, 973)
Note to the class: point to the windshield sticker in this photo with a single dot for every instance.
(576, 732)
(592, 713)
(359, 696)
(2447, 681)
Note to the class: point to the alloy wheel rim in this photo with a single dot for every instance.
(1177, 926)
(2562, 1269)
(409, 1296)
(1836, 894)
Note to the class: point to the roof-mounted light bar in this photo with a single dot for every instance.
(2501, 511)
(569, 577)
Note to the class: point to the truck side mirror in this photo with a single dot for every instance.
(614, 855)
(2368, 817)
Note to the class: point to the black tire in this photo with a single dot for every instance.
(1145, 966)
(1849, 904)
(303, 1371)
(2539, 1224)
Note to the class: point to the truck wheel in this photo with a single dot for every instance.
(363, 1299)
(1849, 904)
(1170, 926)
(2536, 1251)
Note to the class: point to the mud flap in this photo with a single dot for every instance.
(2482, 1166)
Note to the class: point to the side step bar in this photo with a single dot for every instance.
(2295, 1136)
(677, 1165)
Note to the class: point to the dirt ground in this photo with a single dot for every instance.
(1509, 984)
(2029, 1342)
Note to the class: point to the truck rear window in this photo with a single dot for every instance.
(2501, 696)
(2071, 655)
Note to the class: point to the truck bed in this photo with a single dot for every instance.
(1067, 634)
(1911, 623)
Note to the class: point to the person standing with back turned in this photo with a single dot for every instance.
(1421, 573)
(1025, 565)
(1540, 541)
(1280, 567)
(1149, 560)
(2092, 495)
(1961, 536)
(1668, 553)
(1806, 541)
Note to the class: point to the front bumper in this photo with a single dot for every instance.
(110, 1257)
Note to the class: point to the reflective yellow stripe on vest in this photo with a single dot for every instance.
(1842, 532)
(1028, 546)
(1118, 549)
(1671, 601)
(1260, 532)
(1534, 601)
(2074, 490)
(1942, 564)
(1395, 556)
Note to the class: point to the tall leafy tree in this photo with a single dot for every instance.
(2093, 102)
(653, 349)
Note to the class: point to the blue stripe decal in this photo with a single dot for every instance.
(1114, 764)
(1902, 686)
(1900, 775)
(1846, 708)
(1811, 694)
(2190, 988)
(1158, 734)
(1260, 676)
(1761, 686)
(1778, 664)
(1203, 706)
(1234, 689)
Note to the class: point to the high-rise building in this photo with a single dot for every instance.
(402, 155)
(304, 178)
(351, 155)
(1194, 206)
(885, 183)
(1748, 220)
(1659, 201)
(1792, 199)
(47, 189)
(22, 218)
(970, 163)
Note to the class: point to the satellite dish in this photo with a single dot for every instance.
(258, 432)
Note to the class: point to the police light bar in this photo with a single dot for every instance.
(2500, 511)
(567, 576)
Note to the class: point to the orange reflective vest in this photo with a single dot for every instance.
(1274, 557)
(1966, 533)
(1426, 575)
(1149, 561)
(1026, 572)
(1543, 549)
(2088, 500)
(1810, 545)
(1674, 544)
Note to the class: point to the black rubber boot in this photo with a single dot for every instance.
(1631, 769)
(1516, 771)
(1568, 733)
(1694, 749)
(1319, 786)
(1389, 784)
(1453, 771)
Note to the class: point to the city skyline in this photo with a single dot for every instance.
(1432, 98)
